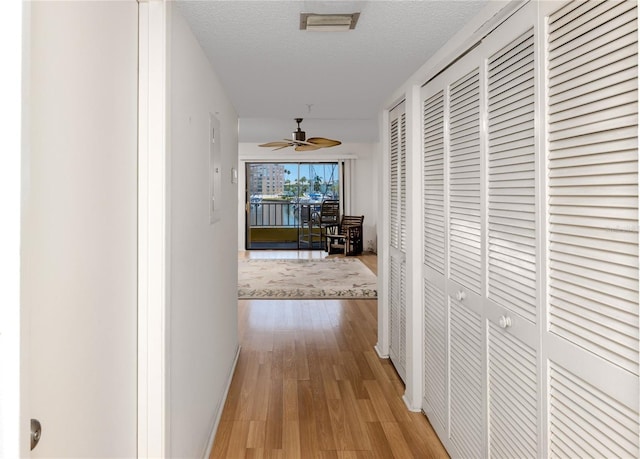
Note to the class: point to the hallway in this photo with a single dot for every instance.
(309, 384)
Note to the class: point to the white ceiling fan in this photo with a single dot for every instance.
(301, 143)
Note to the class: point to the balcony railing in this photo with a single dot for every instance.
(272, 214)
(277, 214)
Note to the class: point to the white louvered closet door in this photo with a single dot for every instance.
(592, 184)
(397, 237)
(453, 333)
(435, 302)
(512, 304)
(481, 306)
(465, 266)
(531, 326)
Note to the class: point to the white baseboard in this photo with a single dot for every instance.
(223, 400)
(381, 355)
(408, 405)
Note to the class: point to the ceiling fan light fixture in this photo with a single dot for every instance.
(328, 22)
(299, 135)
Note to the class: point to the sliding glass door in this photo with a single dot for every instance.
(282, 197)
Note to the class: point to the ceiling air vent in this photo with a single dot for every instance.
(328, 22)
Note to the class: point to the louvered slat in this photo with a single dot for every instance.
(586, 422)
(512, 213)
(466, 373)
(435, 351)
(464, 185)
(513, 396)
(394, 157)
(434, 216)
(593, 179)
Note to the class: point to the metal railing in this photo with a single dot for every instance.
(272, 214)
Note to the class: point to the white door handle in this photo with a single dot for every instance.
(505, 321)
(460, 296)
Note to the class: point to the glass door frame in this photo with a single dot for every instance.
(252, 201)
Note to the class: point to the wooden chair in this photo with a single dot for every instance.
(348, 238)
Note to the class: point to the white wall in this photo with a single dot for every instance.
(203, 257)
(79, 226)
(361, 176)
(364, 190)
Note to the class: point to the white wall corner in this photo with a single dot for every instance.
(382, 347)
(413, 380)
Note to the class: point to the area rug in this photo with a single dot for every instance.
(300, 279)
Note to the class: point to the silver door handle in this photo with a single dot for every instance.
(36, 432)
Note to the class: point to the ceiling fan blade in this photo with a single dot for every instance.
(307, 147)
(322, 142)
(284, 146)
(277, 144)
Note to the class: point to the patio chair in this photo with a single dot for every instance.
(348, 238)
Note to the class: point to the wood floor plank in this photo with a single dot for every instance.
(238, 439)
(421, 438)
(366, 411)
(290, 395)
(379, 444)
(339, 426)
(255, 438)
(221, 443)
(254, 453)
(396, 440)
(355, 424)
(322, 417)
(291, 439)
(260, 396)
(275, 417)
(379, 401)
(309, 384)
(309, 438)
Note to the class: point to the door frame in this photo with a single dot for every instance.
(342, 167)
(152, 231)
(13, 320)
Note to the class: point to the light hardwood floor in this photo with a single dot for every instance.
(309, 384)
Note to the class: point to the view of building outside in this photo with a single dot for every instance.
(284, 198)
(266, 179)
(297, 181)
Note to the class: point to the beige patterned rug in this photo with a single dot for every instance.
(299, 279)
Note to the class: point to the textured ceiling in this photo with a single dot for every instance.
(337, 81)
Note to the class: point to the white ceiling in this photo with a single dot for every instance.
(273, 71)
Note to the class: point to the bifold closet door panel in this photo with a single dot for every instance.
(397, 238)
(466, 340)
(512, 303)
(454, 392)
(435, 301)
(592, 335)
